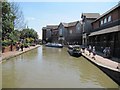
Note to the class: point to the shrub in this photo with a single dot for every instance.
(6, 43)
(26, 45)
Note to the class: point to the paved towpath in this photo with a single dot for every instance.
(101, 61)
(10, 54)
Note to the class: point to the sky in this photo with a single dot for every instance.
(40, 14)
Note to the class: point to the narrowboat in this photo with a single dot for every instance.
(74, 50)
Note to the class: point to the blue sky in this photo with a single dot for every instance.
(40, 14)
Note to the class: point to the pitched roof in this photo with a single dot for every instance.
(70, 24)
(90, 15)
(44, 28)
(52, 27)
(65, 24)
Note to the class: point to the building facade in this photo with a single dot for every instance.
(87, 19)
(50, 34)
(44, 35)
(106, 32)
(74, 31)
(62, 28)
(70, 33)
(54, 33)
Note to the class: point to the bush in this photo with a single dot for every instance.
(14, 42)
(29, 40)
(26, 45)
(6, 43)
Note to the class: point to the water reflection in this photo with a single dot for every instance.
(52, 67)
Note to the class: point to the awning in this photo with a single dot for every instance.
(108, 30)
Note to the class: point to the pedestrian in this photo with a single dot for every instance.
(21, 47)
(105, 51)
(89, 49)
(83, 49)
(108, 52)
(17, 46)
(94, 52)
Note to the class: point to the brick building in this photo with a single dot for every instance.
(44, 35)
(106, 31)
(50, 33)
(87, 19)
(54, 33)
(70, 33)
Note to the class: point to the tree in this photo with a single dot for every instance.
(7, 20)
(19, 21)
(29, 35)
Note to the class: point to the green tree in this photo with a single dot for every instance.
(7, 20)
(30, 35)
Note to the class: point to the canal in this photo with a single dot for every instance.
(47, 67)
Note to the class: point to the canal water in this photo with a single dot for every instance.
(47, 67)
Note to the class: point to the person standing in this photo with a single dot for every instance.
(90, 49)
(17, 46)
(109, 52)
(94, 52)
(105, 51)
(21, 47)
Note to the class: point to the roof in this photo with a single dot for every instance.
(115, 7)
(52, 26)
(90, 15)
(65, 24)
(70, 24)
(104, 31)
(44, 28)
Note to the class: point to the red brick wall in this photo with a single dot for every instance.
(114, 14)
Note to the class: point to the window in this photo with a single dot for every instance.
(101, 22)
(105, 20)
(109, 18)
(70, 31)
(78, 29)
(60, 32)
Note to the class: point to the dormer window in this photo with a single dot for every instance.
(101, 22)
(105, 20)
(109, 18)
